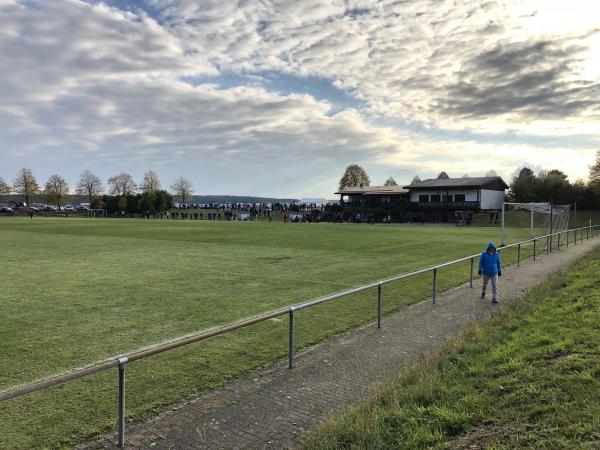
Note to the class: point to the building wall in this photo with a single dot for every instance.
(470, 194)
(491, 199)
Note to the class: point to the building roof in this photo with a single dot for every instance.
(373, 190)
(493, 183)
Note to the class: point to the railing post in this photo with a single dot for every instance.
(379, 305)
(534, 249)
(434, 283)
(587, 232)
(471, 279)
(575, 236)
(547, 244)
(122, 362)
(582, 236)
(519, 255)
(291, 341)
(567, 233)
(558, 242)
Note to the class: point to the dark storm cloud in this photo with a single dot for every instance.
(533, 80)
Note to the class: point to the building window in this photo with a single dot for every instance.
(459, 197)
(423, 198)
(446, 198)
(435, 198)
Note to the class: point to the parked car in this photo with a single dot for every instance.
(50, 208)
(6, 209)
(82, 208)
(68, 208)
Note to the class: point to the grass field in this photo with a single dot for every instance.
(77, 291)
(528, 378)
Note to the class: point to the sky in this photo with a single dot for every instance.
(277, 97)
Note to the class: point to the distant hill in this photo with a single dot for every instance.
(235, 199)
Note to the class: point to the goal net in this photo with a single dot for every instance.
(530, 220)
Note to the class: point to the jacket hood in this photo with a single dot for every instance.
(490, 245)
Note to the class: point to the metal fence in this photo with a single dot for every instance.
(561, 237)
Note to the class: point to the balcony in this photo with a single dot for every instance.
(456, 206)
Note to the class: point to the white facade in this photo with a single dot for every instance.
(491, 199)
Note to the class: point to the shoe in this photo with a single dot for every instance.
(482, 294)
(494, 300)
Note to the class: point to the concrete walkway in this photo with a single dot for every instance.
(275, 407)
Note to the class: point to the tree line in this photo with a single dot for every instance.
(554, 185)
(122, 196)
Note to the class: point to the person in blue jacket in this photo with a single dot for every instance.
(489, 267)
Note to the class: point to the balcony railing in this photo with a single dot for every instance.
(444, 205)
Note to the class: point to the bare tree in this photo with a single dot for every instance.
(57, 190)
(122, 185)
(182, 188)
(390, 182)
(443, 176)
(151, 182)
(4, 188)
(89, 185)
(416, 179)
(26, 184)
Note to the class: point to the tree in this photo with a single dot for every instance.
(97, 203)
(122, 185)
(26, 184)
(491, 173)
(4, 188)
(163, 201)
(443, 176)
(122, 205)
(594, 177)
(554, 185)
(390, 182)
(147, 203)
(182, 188)
(89, 185)
(57, 190)
(151, 183)
(524, 186)
(416, 179)
(466, 175)
(354, 176)
(526, 172)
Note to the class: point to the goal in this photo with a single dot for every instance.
(539, 218)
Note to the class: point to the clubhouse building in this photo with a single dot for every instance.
(434, 200)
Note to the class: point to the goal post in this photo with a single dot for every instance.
(539, 218)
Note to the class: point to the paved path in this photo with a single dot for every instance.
(274, 407)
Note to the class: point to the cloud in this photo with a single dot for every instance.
(49, 48)
(530, 81)
(89, 82)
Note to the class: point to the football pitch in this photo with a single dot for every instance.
(76, 291)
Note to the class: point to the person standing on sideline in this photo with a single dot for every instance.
(489, 267)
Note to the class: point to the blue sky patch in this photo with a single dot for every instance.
(320, 88)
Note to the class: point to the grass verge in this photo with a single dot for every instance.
(528, 378)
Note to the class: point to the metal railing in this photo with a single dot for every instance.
(121, 361)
